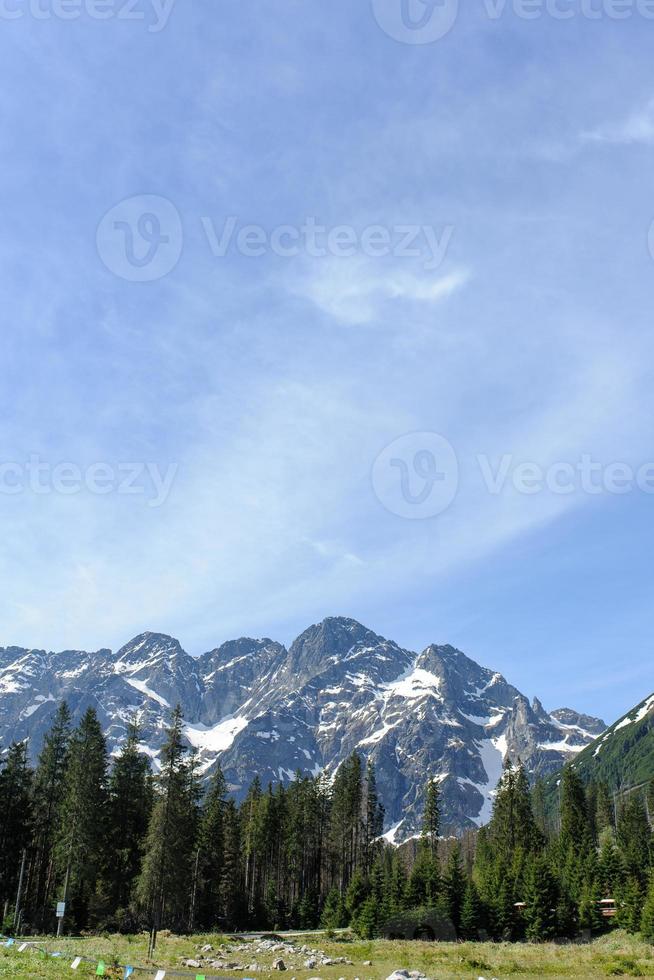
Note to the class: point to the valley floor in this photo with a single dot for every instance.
(615, 955)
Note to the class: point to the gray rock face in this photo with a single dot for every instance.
(262, 709)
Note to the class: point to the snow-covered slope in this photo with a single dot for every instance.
(262, 709)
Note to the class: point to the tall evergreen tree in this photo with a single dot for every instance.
(82, 832)
(232, 892)
(540, 900)
(346, 828)
(471, 913)
(604, 811)
(647, 916)
(211, 847)
(454, 885)
(431, 819)
(575, 825)
(634, 838)
(512, 826)
(373, 821)
(130, 805)
(15, 818)
(165, 883)
(48, 795)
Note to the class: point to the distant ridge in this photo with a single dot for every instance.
(260, 708)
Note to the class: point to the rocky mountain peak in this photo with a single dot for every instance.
(258, 708)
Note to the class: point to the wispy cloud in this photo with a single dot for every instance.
(637, 127)
(356, 292)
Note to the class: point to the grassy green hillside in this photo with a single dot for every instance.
(624, 755)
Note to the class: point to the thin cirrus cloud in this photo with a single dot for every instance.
(637, 127)
(356, 292)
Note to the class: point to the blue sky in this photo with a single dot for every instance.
(270, 385)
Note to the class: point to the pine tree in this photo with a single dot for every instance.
(334, 913)
(575, 825)
(365, 921)
(373, 817)
(604, 812)
(345, 821)
(165, 883)
(589, 915)
(539, 807)
(15, 817)
(48, 795)
(512, 825)
(130, 805)
(647, 917)
(634, 838)
(82, 832)
(611, 867)
(650, 802)
(471, 917)
(232, 899)
(357, 892)
(454, 886)
(540, 900)
(629, 902)
(431, 820)
(212, 852)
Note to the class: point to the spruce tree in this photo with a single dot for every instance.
(373, 817)
(575, 825)
(611, 867)
(431, 820)
(629, 902)
(604, 811)
(48, 795)
(232, 902)
(15, 817)
(650, 802)
(165, 884)
(334, 913)
(541, 900)
(471, 916)
(212, 852)
(589, 915)
(130, 805)
(345, 822)
(82, 838)
(647, 917)
(512, 825)
(634, 838)
(454, 885)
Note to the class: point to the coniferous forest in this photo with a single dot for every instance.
(129, 850)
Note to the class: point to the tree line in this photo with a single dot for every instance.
(129, 849)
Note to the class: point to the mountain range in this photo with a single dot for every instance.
(263, 709)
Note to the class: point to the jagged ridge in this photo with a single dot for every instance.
(261, 708)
